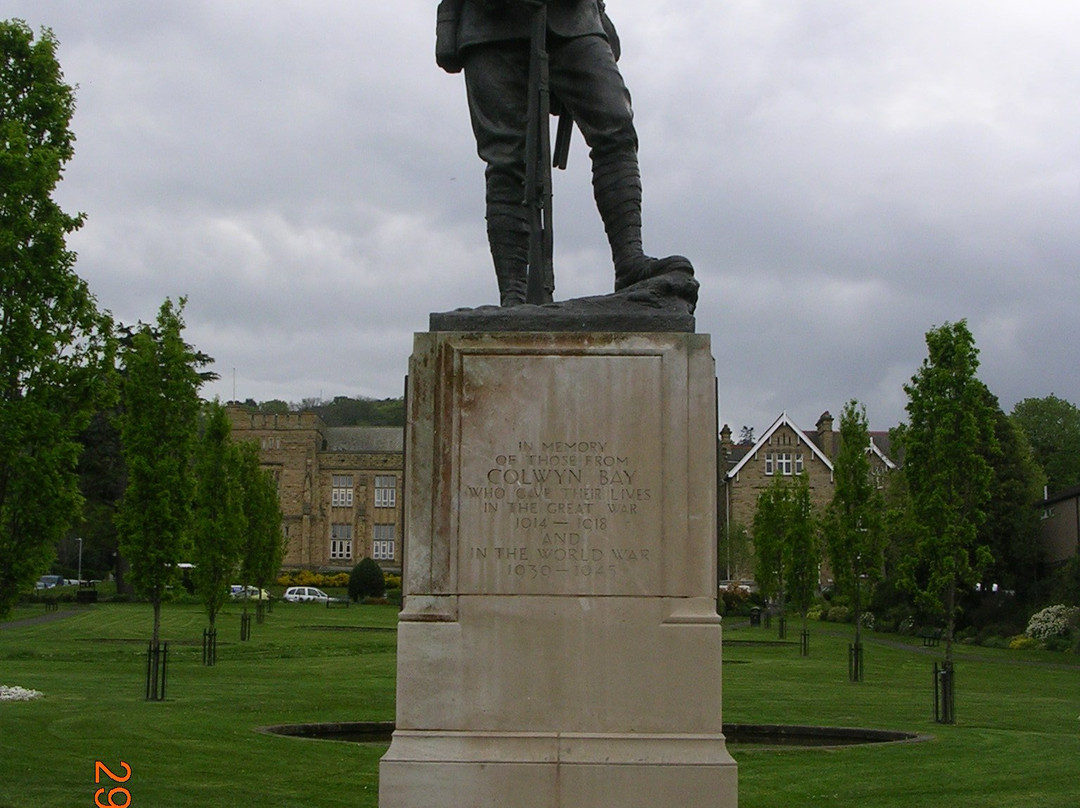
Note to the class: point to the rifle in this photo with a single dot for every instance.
(541, 283)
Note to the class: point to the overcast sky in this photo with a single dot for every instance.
(845, 175)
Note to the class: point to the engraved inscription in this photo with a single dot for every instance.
(559, 515)
(558, 483)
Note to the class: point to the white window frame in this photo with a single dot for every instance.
(341, 491)
(385, 491)
(383, 540)
(783, 464)
(341, 541)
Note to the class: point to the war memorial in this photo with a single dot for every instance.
(559, 643)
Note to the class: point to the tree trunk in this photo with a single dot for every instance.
(950, 621)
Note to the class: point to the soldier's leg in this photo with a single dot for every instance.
(587, 80)
(496, 79)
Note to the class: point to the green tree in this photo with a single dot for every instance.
(785, 543)
(264, 542)
(56, 347)
(159, 429)
(736, 553)
(1012, 528)
(946, 444)
(853, 518)
(219, 521)
(769, 532)
(802, 549)
(366, 580)
(1052, 427)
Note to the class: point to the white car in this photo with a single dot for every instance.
(238, 592)
(305, 594)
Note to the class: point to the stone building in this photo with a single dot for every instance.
(1060, 527)
(782, 450)
(340, 487)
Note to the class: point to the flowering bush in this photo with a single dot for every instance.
(1022, 643)
(312, 578)
(838, 614)
(14, 693)
(1053, 621)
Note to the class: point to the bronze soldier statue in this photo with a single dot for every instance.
(490, 41)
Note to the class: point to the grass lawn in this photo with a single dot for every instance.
(1016, 741)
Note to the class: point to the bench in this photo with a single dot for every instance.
(931, 637)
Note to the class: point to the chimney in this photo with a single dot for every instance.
(825, 434)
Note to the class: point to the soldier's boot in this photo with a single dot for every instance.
(617, 189)
(509, 242)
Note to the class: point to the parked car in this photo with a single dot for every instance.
(49, 581)
(306, 594)
(248, 593)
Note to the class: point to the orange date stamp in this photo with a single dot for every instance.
(119, 792)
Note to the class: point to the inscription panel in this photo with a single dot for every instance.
(559, 485)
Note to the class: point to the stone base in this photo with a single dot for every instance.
(550, 771)
(559, 645)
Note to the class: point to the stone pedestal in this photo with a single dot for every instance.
(559, 645)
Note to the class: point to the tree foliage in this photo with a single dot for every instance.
(802, 548)
(947, 444)
(736, 552)
(219, 522)
(56, 347)
(785, 542)
(158, 427)
(264, 542)
(1012, 527)
(854, 537)
(1052, 427)
(366, 580)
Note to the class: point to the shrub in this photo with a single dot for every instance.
(1022, 643)
(312, 578)
(1053, 621)
(366, 580)
(838, 614)
(734, 598)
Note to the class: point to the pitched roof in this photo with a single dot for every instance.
(364, 438)
(783, 420)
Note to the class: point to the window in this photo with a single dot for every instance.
(340, 541)
(382, 548)
(341, 491)
(385, 492)
(783, 463)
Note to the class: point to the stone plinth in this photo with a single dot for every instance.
(559, 644)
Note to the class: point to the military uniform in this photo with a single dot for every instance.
(492, 45)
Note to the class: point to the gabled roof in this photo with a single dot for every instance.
(783, 420)
(875, 449)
